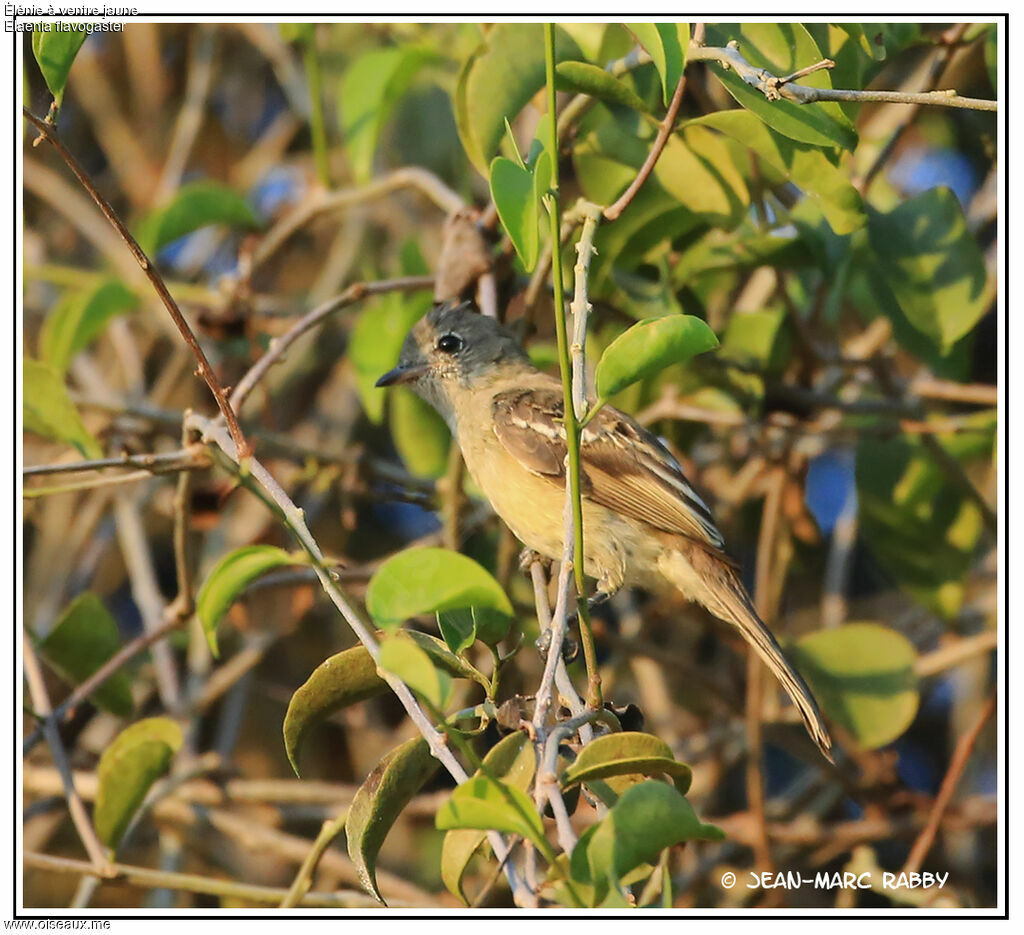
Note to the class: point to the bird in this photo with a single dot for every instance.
(644, 525)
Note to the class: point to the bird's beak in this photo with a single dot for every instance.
(402, 374)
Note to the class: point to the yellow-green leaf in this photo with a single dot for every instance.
(55, 52)
(667, 44)
(79, 318)
(49, 412)
(400, 656)
(483, 803)
(624, 754)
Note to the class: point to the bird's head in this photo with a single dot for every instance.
(453, 348)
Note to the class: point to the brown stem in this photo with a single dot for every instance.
(957, 765)
(49, 132)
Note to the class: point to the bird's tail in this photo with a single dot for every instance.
(721, 592)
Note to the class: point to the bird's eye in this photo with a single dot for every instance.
(449, 343)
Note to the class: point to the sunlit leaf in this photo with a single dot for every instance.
(84, 638)
(230, 577)
(195, 205)
(137, 757)
(49, 412)
(498, 80)
(667, 44)
(55, 53)
(371, 87)
(781, 49)
(483, 803)
(404, 659)
(512, 188)
(932, 264)
(379, 802)
(424, 581)
(79, 319)
(584, 78)
(650, 346)
(512, 760)
(624, 754)
(344, 679)
(863, 676)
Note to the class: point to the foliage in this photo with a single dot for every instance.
(801, 309)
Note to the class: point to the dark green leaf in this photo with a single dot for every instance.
(512, 760)
(195, 205)
(650, 346)
(84, 638)
(380, 800)
(230, 577)
(483, 803)
(404, 659)
(783, 48)
(80, 318)
(55, 52)
(138, 756)
(458, 629)
(344, 679)
(667, 44)
(49, 412)
(498, 80)
(625, 754)
(372, 86)
(424, 581)
(863, 676)
(589, 79)
(806, 166)
(419, 433)
(932, 263)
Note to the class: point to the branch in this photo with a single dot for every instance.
(205, 370)
(354, 293)
(168, 463)
(294, 519)
(774, 87)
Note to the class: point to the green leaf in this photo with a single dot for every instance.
(512, 188)
(783, 48)
(923, 532)
(667, 44)
(376, 339)
(645, 820)
(461, 628)
(138, 756)
(84, 638)
(195, 205)
(424, 581)
(932, 264)
(806, 166)
(513, 760)
(625, 754)
(992, 56)
(403, 658)
(487, 804)
(419, 433)
(297, 32)
(583, 78)
(497, 81)
(650, 346)
(863, 676)
(79, 318)
(379, 802)
(758, 339)
(344, 679)
(49, 412)
(371, 87)
(230, 577)
(55, 52)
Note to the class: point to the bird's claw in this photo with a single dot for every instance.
(570, 647)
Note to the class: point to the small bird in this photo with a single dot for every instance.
(644, 525)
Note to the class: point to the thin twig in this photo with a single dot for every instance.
(957, 765)
(41, 703)
(185, 459)
(205, 370)
(354, 293)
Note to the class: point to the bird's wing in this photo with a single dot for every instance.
(624, 467)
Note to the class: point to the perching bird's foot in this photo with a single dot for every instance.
(570, 647)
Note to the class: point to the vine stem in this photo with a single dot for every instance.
(294, 518)
(49, 132)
